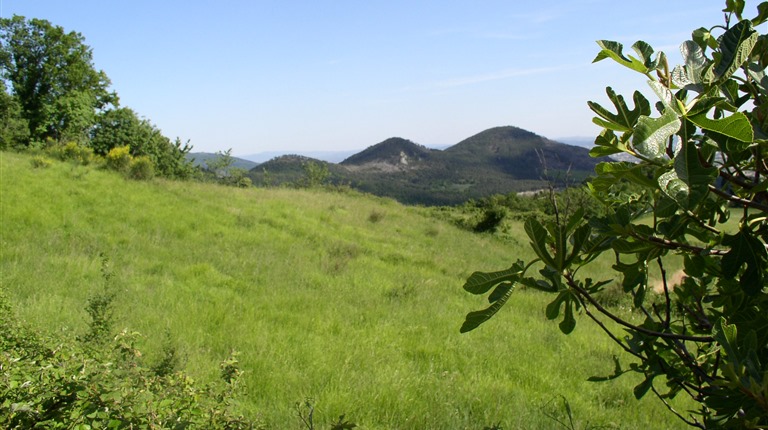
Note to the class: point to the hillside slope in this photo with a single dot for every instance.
(499, 160)
(352, 300)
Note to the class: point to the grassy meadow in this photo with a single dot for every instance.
(350, 300)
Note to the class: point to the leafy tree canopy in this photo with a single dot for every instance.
(13, 127)
(51, 73)
(701, 153)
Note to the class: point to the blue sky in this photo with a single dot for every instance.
(327, 75)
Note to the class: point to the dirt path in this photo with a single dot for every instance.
(672, 281)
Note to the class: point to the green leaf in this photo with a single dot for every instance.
(735, 7)
(645, 51)
(474, 319)
(481, 282)
(691, 76)
(500, 291)
(642, 388)
(735, 46)
(665, 95)
(687, 184)
(603, 151)
(634, 275)
(613, 50)
(553, 309)
(704, 104)
(665, 207)
(762, 14)
(624, 119)
(726, 335)
(578, 240)
(704, 38)
(651, 134)
(538, 235)
(694, 265)
(749, 250)
(538, 284)
(736, 126)
(625, 171)
(569, 322)
(560, 234)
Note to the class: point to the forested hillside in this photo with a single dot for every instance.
(500, 160)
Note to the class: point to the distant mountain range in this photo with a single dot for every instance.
(499, 160)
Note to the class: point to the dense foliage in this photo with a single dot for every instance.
(103, 381)
(51, 95)
(53, 78)
(701, 161)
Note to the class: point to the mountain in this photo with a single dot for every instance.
(327, 156)
(518, 153)
(390, 155)
(201, 157)
(499, 160)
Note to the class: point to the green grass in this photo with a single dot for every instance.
(352, 300)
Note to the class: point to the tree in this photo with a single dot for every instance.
(701, 160)
(119, 127)
(52, 76)
(13, 128)
(221, 169)
(316, 174)
(123, 127)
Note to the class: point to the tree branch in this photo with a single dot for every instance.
(738, 200)
(666, 243)
(573, 284)
(693, 423)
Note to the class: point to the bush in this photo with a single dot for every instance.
(103, 381)
(40, 162)
(141, 168)
(119, 158)
(71, 151)
(491, 220)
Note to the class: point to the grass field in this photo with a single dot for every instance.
(351, 300)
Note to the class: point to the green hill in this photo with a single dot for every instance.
(500, 160)
(352, 300)
(200, 159)
(394, 151)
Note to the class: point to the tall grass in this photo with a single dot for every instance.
(321, 300)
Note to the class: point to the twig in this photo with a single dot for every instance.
(666, 292)
(666, 243)
(606, 330)
(693, 423)
(746, 203)
(606, 312)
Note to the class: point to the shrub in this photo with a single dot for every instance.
(71, 151)
(491, 220)
(103, 381)
(376, 216)
(141, 168)
(119, 158)
(40, 162)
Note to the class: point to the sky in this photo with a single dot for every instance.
(338, 75)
